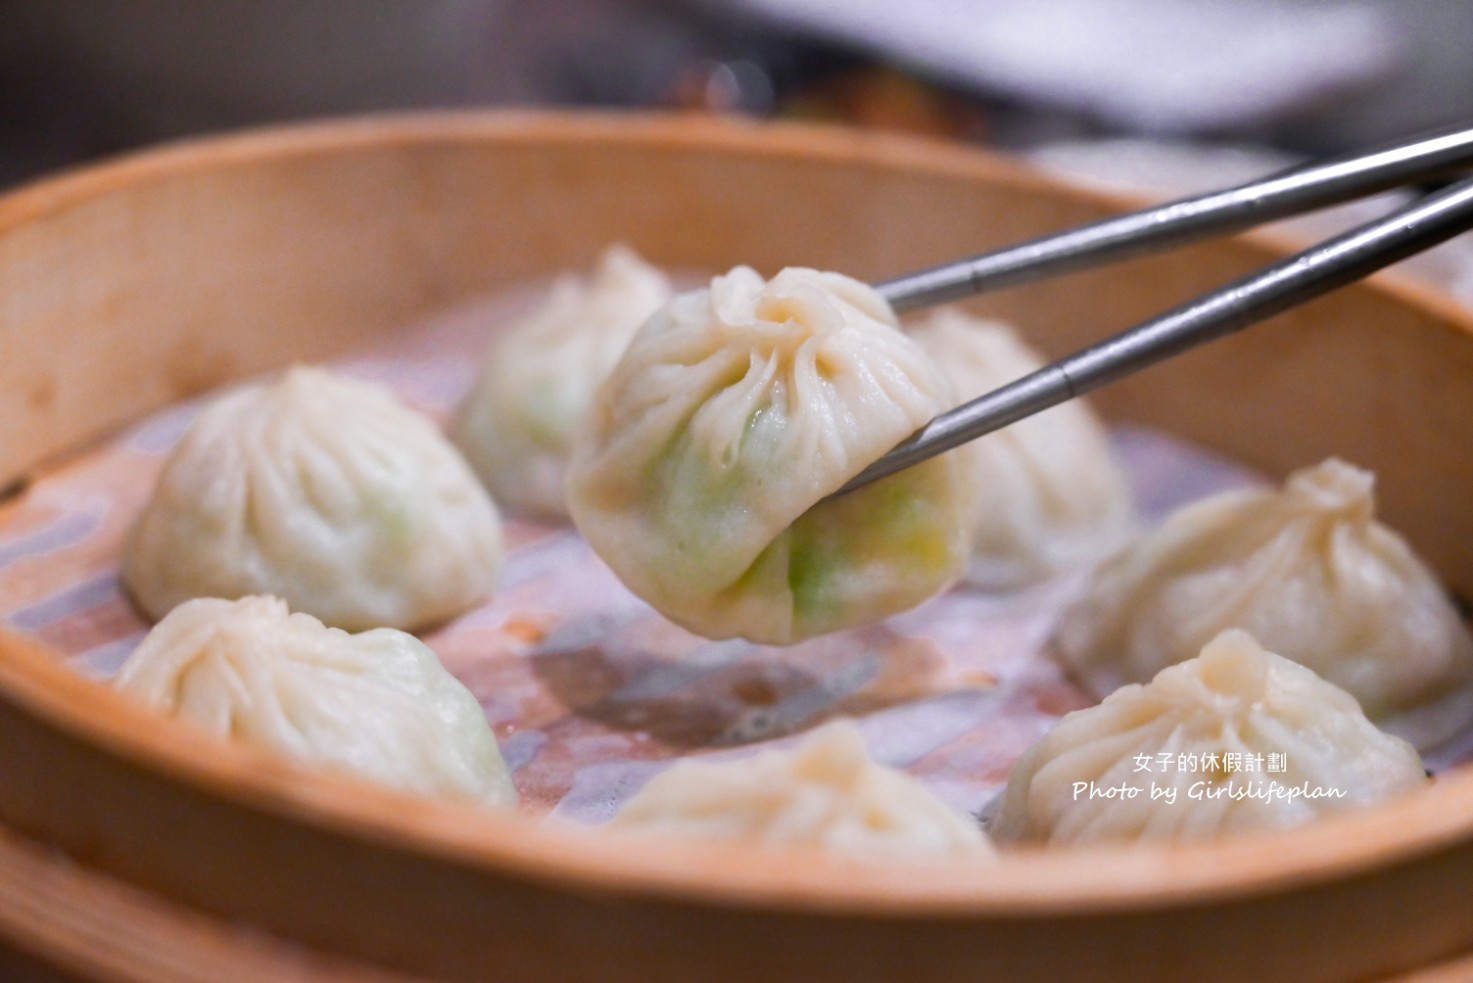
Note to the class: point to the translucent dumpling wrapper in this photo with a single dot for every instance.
(826, 793)
(327, 492)
(1309, 572)
(698, 472)
(1236, 739)
(516, 424)
(378, 704)
(1047, 493)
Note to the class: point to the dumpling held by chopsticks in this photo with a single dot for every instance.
(700, 472)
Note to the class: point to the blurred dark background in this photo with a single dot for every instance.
(1153, 96)
(82, 78)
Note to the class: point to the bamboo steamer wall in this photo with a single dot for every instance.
(127, 287)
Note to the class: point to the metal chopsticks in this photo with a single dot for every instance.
(1442, 154)
(1246, 301)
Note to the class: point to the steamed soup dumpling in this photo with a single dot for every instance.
(1308, 571)
(1214, 736)
(826, 793)
(516, 424)
(378, 704)
(698, 472)
(322, 490)
(1047, 493)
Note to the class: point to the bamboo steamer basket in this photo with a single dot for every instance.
(131, 849)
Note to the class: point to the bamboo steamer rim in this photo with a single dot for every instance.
(1022, 883)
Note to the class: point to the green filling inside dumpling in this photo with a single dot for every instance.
(548, 416)
(858, 557)
(871, 547)
(873, 552)
(393, 518)
(702, 472)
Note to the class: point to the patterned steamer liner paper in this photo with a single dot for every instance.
(589, 691)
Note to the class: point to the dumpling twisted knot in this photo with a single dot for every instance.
(1237, 738)
(1309, 572)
